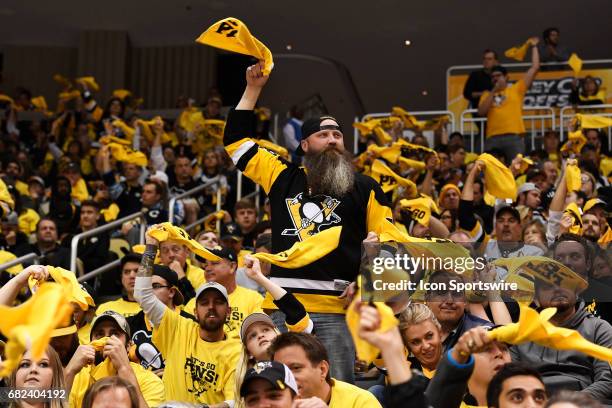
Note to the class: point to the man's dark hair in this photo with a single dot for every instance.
(507, 371)
(91, 203)
(546, 33)
(265, 241)
(261, 226)
(454, 148)
(499, 68)
(588, 249)
(314, 349)
(489, 51)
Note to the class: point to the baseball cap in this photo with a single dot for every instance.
(211, 285)
(507, 208)
(525, 187)
(172, 278)
(231, 231)
(251, 319)
(160, 176)
(225, 253)
(36, 179)
(592, 203)
(313, 125)
(278, 374)
(113, 316)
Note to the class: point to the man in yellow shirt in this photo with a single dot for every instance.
(503, 107)
(242, 301)
(200, 358)
(92, 362)
(307, 358)
(125, 305)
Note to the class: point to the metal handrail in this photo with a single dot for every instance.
(563, 116)
(100, 270)
(201, 220)
(188, 193)
(111, 225)
(24, 258)
(482, 120)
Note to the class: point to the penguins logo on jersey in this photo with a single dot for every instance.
(309, 216)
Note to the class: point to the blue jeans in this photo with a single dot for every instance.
(378, 391)
(510, 145)
(332, 331)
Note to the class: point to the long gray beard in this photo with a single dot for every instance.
(329, 173)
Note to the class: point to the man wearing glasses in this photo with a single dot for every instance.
(450, 308)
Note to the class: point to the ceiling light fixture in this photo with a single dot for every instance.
(407, 43)
(289, 47)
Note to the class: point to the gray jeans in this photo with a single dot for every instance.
(510, 145)
(332, 331)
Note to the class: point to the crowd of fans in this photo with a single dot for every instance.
(207, 322)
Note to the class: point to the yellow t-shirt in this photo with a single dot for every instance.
(243, 302)
(151, 386)
(196, 370)
(121, 306)
(28, 220)
(195, 275)
(506, 113)
(345, 395)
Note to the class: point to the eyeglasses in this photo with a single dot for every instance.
(158, 286)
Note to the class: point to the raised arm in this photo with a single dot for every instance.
(11, 289)
(255, 83)
(535, 62)
(143, 289)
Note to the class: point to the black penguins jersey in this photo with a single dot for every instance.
(297, 216)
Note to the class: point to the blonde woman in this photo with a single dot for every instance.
(45, 374)
(420, 332)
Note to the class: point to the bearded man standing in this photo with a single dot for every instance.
(324, 193)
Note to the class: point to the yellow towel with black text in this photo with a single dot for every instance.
(389, 180)
(231, 34)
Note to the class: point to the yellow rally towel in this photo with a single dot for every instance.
(606, 237)
(5, 197)
(573, 210)
(6, 256)
(68, 95)
(190, 118)
(592, 121)
(375, 126)
(575, 142)
(410, 121)
(79, 191)
(125, 154)
(518, 53)
(420, 209)
(63, 81)
(99, 343)
(121, 94)
(165, 231)
(536, 328)
(575, 63)
(74, 290)
(128, 131)
(498, 178)
(572, 177)
(114, 139)
(29, 325)
(210, 222)
(6, 98)
(110, 213)
(525, 163)
(40, 103)
(388, 179)
(543, 268)
(88, 83)
(365, 351)
(147, 132)
(231, 34)
(305, 252)
(281, 151)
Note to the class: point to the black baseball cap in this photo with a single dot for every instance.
(173, 281)
(313, 125)
(507, 208)
(231, 231)
(277, 374)
(225, 253)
